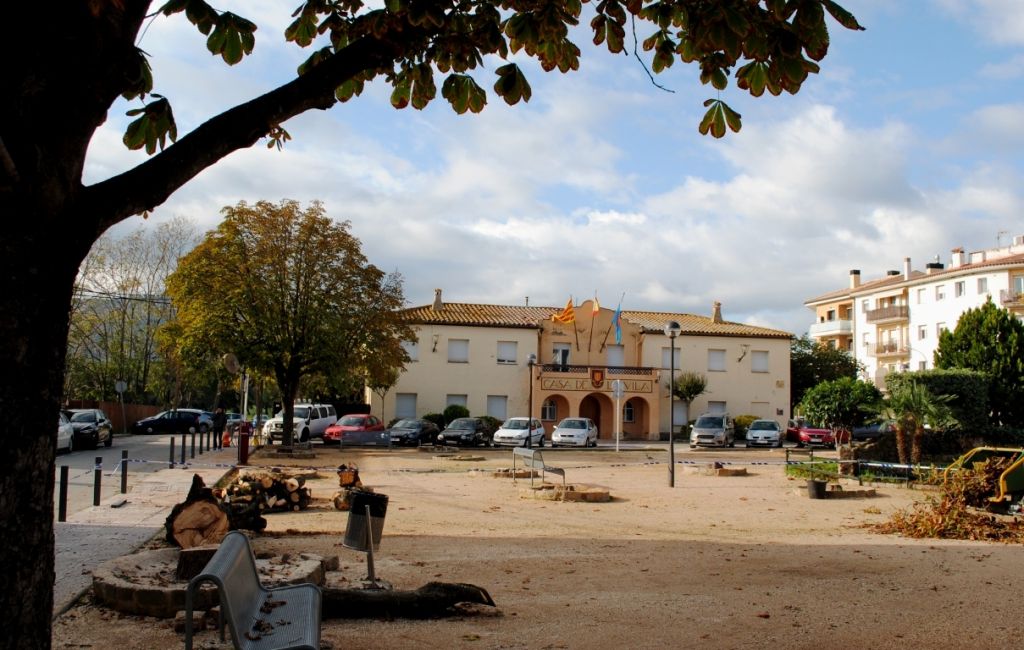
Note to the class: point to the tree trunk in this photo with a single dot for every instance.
(432, 600)
(916, 445)
(33, 339)
(901, 443)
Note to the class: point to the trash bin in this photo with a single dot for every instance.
(355, 531)
(816, 488)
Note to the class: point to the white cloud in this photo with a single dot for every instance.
(1000, 20)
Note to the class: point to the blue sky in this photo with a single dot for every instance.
(907, 144)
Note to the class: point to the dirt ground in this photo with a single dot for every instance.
(716, 562)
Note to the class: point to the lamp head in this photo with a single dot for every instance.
(672, 329)
(531, 359)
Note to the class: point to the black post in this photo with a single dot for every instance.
(183, 440)
(97, 478)
(171, 462)
(124, 471)
(62, 502)
(193, 445)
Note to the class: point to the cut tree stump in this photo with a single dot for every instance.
(432, 600)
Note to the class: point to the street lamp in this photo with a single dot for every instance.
(531, 361)
(672, 329)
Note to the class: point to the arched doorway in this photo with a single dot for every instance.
(552, 409)
(599, 408)
(636, 415)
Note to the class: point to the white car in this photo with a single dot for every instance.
(308, 421)
(575, 432)
(765, 433)
(513, 433)
(65, 433)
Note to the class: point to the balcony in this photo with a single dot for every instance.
(890, 313)
(1011, 298)
(889, 349)
(831, 328)
(569, 377)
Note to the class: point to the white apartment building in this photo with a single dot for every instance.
(478, 356)
(892, 324)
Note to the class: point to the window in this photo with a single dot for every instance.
(497, 406)
(627, 412)
(1018, 284)
(982, 285)
(759, 361)
(922, 365)
(507, 351)
(716, 360)
(561, 354)
(940, 292)
(412, 348)
(616, 355)
(460, 400)
(405, 405)
(458, 350)
(959, 288)
(548, 410)
(675, 360)
(865, 306)
(939, 327)
(920, 296)
(922, 332)
(831, 316)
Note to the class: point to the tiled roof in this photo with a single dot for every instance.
(915, 277)
(473, 314)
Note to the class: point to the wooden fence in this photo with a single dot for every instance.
(132, 412)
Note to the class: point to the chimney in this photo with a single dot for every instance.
(854, 278)
(958, 259)
(716, 312)
(932, 267)
(891, 272)
(438, 305)
(906, 268)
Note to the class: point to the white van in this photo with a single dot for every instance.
(309, 421)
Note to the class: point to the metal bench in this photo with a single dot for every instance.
(533, 459)
(285, 618)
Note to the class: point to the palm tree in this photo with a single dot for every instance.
(911, 406)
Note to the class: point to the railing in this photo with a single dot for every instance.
(1011, 297)
(612, 371)
(891, 348)
(831, 328)
(886, 313)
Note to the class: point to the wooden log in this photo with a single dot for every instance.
(432, 600)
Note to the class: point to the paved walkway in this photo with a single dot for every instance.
(100, 533)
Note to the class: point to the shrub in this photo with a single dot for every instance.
(741, 423)
(491, 423)
(436, 418)
(970, 405)
(453, 412)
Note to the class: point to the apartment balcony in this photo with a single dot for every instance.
(569, 377)
(831, 328)
(888, 349)
(1011, 298)
(891, 313)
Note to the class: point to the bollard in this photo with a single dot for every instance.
(193, 444)
(243, 448)
(171, 463)
(97, 477)
(62, 502)
(124, 471)
(183, 449)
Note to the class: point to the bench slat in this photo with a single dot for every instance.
(534, 459)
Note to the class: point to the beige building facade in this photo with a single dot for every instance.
(479, 355)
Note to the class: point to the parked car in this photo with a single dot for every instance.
(174, 421)
(234, 421)
(308, 421)
(356, 429)
(91, 426)
(766, 433)
(513, 433)
(466, 431)
(413, 431)
(713, 430)
(872, 431)
(575, 432)
(65, 433)
(807, 434)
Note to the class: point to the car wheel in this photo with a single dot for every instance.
(203, 428)
(540, 443)
(110, 440)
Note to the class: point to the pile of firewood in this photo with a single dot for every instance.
(268, 492)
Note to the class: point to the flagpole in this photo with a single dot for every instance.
(593, 317)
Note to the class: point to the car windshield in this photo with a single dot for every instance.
(301, 412)
(709, 422)
(762, 425)
(463, 423)
(352, 420)
(572, 424)
(514, 424)
(405, 424)
(83, 416)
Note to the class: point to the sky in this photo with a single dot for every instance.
(907, 144)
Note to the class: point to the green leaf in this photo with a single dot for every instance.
(400, 95)
(842, 16)
(352, 87)
(717, 118)
(512, 85)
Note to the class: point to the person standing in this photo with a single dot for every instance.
(220, 425)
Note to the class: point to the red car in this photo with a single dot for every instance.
(356, 429)
(809, 435)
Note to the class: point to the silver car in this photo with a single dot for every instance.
(765, 433)
(575, 432)
(713, 430)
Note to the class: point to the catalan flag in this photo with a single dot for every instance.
(567, 315)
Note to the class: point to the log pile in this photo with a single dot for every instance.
(267, 492)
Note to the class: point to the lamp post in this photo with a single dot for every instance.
(672, 329)
(531, 361)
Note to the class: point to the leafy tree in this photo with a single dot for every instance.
(289, 293)
(57, 98)
(688, 387)
(991, 340)
(841, 404)
(911, 405)
(811, 363)
(453, 412)
(969, 388)
(380, 381)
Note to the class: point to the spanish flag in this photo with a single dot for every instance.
(567, 315)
